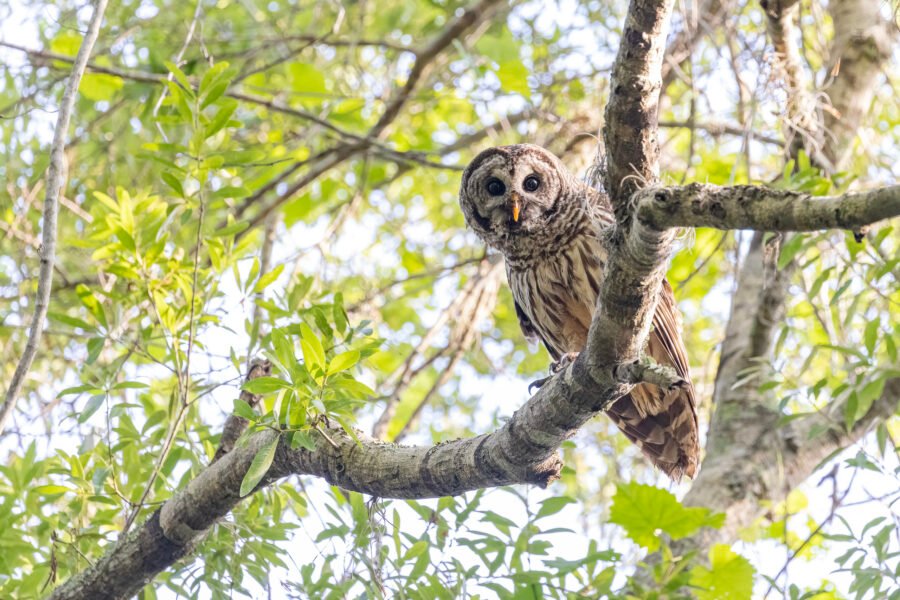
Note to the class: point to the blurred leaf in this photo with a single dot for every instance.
(645, 512)
(259, 466)
(729, 576)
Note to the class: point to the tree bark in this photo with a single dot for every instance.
(744, 442)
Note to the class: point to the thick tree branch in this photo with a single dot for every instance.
(863, 41)
(739, 480)
(761, 208)
(800, 122)
(636, 266)
(56, 176)
(524, 450)
(630, 131)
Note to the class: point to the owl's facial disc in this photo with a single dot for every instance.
(510, 192)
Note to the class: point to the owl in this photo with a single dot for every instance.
(553, 231)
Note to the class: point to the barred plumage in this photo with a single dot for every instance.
(552, 230)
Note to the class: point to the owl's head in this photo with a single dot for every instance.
(512, 191)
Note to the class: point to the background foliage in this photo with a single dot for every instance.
(233, 190)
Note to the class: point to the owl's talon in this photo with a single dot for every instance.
(564, 361)
(679, 385)
(538, 383)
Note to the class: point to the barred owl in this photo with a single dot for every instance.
(551, 228)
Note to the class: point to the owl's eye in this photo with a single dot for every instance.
(495, 187)
(531, 183)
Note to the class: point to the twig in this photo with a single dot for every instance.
(55, 178)
(178, 57)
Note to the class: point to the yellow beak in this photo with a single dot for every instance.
(516, 207)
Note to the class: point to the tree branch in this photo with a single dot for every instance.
(716, 129)
(801, 123)
(56, 176)
(630, 130)
(863, 42)
(761, 208)
(235, 425)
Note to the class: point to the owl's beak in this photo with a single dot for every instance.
(516, 206)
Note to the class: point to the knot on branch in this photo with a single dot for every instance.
(546, 472)
(647, 370)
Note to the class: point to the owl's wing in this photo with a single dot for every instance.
(663, 423)
(528, 328)
(666, 345)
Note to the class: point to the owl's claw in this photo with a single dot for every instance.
(564, 361)
(538, 383)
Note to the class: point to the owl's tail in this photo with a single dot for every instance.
(665, 430)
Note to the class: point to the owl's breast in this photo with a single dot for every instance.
(558, 291)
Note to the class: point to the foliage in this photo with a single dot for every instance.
(217, 208)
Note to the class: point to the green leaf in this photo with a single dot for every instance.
(551, 506)
(173, 183)
(645, 511)
(50, 490)
(254, 271)
(67, 320)
(100, 87)
(343, 361)
(91, 407)
(355, 388)
(850, 411)
(306, 78)
(868, 394)
(500, 47)
(232, 229)
(790, 249)
(130, 385)
(126, 239)
(180, 77)
(267, 278)
(265, 385)
(871, 336)
(313, 352)
(260, 465)
(242, 409)
(303, 439)
(513, 76)
(214, 75)
(415, 550)
(80, 389)
(179, 98)
(214, 94)
(94, 347)
(221, 119)
(66, 43)
(729, 576)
